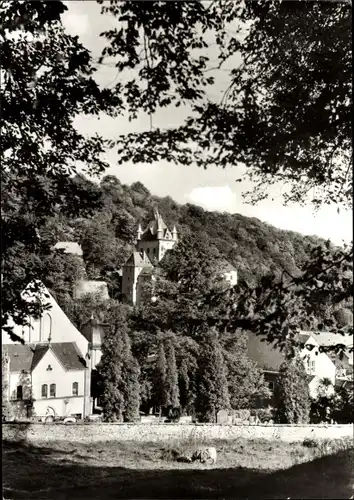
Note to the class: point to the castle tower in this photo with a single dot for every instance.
(157, 238)
(152, 244)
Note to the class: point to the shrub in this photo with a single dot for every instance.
(310, 443)
(292, 393)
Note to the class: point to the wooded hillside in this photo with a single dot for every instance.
(107, 236)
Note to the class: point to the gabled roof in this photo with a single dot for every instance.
(68, 355)
(138, 259)
(20, 357)
(328, 338)
(157, 224)
(303, 337)
(70, 247)
(39, 352)
(27, 357)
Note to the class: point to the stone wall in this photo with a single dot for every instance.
(98, 432)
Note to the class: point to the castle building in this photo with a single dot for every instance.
(151, 246)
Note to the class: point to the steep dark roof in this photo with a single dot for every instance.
(94, 331)
(26, 357)
(39, 352)
(20, 356)
(138, 260)
(68, 355)
(150, 232)
(265, 355)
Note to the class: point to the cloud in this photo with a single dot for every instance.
(76, 23)
(219, 198)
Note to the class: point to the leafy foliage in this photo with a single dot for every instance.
(286, 111)
(292, 393)
(119, 372)
(212, 386)
(47, 80)
(4, 386)
(171, 376)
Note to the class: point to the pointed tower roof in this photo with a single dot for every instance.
(138, 259)
(155, 225)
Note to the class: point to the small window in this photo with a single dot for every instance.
(148, 250)
(271, 386)
(154, 250)
(52, 390)
(19, 392)
(44, 391)
(75, 389)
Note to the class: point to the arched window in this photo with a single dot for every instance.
(19, 392)
(75, 388)
(52, 390)
(44, 391)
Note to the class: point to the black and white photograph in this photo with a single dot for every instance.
(176, 249)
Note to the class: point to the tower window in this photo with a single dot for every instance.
(44, 391)
(154, 250)
(52, 390)
(19, 392)
(148, 250)
(75, 388)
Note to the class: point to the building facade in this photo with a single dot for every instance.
(49, 373)
(151, 247)
(318, 365)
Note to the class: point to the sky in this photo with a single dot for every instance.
(212, 189)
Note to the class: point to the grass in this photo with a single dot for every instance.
(244, 469)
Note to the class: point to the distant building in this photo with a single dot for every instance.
(151, 246)
(91, 287)
(344, 364)
(317, 364)
(69, 247)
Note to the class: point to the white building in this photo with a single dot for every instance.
(51, 370)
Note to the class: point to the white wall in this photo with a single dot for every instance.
(16, 379)
(323, 365)
(231, 277)
(96, 355)
(62, 329)
(62, 406)
(161, 247)
(63, 380)
(158, 433)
